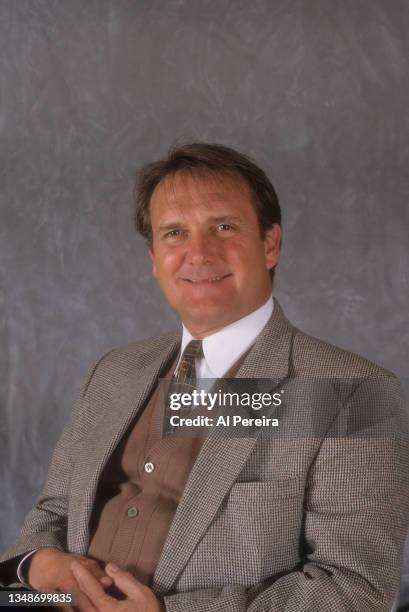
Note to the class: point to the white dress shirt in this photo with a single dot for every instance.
(223, 348)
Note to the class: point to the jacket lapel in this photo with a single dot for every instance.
(221, 459)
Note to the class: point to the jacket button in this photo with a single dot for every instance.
(132, 512)
(149, 467)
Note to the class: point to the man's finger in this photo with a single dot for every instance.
(125, 581)
(83, 603)
(95, 569)
(90, 586)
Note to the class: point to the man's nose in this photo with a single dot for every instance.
(199, 249)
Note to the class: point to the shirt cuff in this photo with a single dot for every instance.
(22, 568)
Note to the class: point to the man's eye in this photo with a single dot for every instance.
(173, 233)
(224, 227)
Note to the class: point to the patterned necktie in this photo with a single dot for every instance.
(186, 374)
(184, 381)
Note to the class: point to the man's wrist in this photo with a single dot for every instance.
(24, 566)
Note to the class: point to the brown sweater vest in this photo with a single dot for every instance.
(139, 492)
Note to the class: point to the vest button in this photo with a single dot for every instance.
(149, 467)
(132, 512)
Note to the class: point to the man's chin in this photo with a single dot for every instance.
(206, 314)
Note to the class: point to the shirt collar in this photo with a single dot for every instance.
(223, 348)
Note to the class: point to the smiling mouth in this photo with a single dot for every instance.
(209, 280)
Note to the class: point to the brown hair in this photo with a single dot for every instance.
(214, 158)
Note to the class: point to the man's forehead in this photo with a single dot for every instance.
(199, 187)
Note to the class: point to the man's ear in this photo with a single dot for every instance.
(151, 255)
(272, 245)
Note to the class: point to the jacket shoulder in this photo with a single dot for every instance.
(128, 360)
(142, 352)
(312, 356)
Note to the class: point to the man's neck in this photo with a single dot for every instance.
(200, 331)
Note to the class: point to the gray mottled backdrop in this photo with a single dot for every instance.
(316, 91)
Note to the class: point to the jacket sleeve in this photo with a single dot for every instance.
(46, 524)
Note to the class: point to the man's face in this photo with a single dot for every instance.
(207, 251)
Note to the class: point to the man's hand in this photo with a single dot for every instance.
(50, 570)
(140, 598)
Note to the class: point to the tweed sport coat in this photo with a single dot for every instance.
(314, 522)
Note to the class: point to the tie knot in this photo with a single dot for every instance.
(193, 350)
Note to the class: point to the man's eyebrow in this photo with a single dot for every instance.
(222, 218)
(171, 225)
(181, 225)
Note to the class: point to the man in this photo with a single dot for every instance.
(316, 522)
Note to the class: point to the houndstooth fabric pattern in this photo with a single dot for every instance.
(264, 524)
